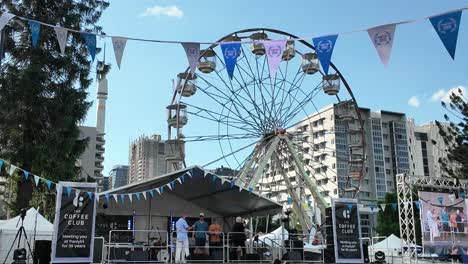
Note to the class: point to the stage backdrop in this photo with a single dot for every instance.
(74, 223)
(443, 223)
(347, 231)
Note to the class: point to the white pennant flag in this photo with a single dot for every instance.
(77, 196)
(12, 169)
(189, 174)
(383, 207)
(119, 44)
(144, 194)
(5, 18)
(115, 198)
(179, 180)
(130, 197)
(159, 192)
(274, 52)
(62, 34)
(37, 179)
(192, 50)
(169, 185)
(97, 197)
(204, 174)
(452, 197)
(382, 38)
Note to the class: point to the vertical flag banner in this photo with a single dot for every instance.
(447, 26)
(192, 50)
(324, 47)
(61, 34)
(5, 18)
(382, 38)
(230, 53)
(274, 51)
(119, 44)
(90, 40)
(35, 28)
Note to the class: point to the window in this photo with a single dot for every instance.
(387, 171)
(335, 191)
(161, 148)
(386, 148)
(385, 136)
(314, 124)
(333, 166)
(387, 159)
(332, 141)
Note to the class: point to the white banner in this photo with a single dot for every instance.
(193, 53)
(119, 44)
(382, 38)
(274, 51)
(61, 34)
(5, 18)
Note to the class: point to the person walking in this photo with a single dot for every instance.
(215, 232)
(182, 249)
(238, 236)
(200, 228)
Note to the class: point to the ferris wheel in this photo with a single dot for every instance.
(295, 136)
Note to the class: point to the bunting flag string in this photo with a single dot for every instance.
(35, 28)
(36, 180)
(274, 52)
(119, 44)
(382, 38)
(447, 26)
(192, 50)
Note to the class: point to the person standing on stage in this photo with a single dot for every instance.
(200, 228)
(215, 232)
(182, 247)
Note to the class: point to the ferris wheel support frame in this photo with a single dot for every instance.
(405, 184)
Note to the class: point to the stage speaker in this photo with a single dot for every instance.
(42, 250)
(329, 255)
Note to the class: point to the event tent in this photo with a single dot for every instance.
(36, 226)
(390, 244)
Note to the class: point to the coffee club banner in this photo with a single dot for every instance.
(446, 25)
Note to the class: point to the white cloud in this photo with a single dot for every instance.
(443, 95)
(157, 10)
(414, 101)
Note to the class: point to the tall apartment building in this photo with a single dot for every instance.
(118, 176)
(150, 157)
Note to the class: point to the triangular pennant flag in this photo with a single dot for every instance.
(417, 204)
(172, 185)
(324, 47)
(372, 207)
(230, 53)
(205, 174)
(383, 206)
(48, 183)
(289, 200)
(192, 50)
(122, 198)
(77, 194)
(161, 189)
(182, 178)
(223, 181)
(158, 190)
(12, 169)
(394, 205)
(90, 40)
(37, 179)
(35, 28)
(144, 195)
(189, 173)
(250, 189)
(90, 195)
(179, 180)
(447, 26)
(274, 52)
(350, 206)
(5, 18)
(115, 198)
(440, 199)
(69, 190)
(462, 194)
(130, 197)
(232, 183)
(451, 197)
(169, 185)
(107, 197)
(213, 178)
(1, 164)
(57, 186)
(62, 34)
(309, 203)
(152, 193)
(97, 197)
(137, 196)
(119, 44)
(26, 175)
(382, 38)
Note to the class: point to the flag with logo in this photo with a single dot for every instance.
(324, 47)
(230, 53)
(382, 38)
(447, 26)
(274, 52)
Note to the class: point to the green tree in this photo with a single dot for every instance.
(42, 92)
(387, 220)
(455, 136)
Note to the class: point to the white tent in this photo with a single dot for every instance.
(391, 243)
(33, 221)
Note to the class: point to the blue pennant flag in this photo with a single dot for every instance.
(1, 164)
(90, 195)
(394, 205)
(182, 178)
(90, 40)
(462, 194)
(250, 189)
(172, 185)
(107, 197)
(350, 206)
(151, 193)
(35, 28)
(447, 26)
(122, 198)
(372, 207)
(440, 199)
(68, 188)
(309, 203)
(137, 196)
(289, 200)
(230, 53)
(213, 178)
(232, 183)
(417, 204)
(324, 47)
(161, 189)
(26, 175)
(48, 183)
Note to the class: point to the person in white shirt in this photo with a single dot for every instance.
(182, 246)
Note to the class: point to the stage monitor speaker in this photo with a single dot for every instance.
(329, 255)
(42, 250)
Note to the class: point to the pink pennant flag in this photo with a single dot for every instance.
(192, 50)
(274, 51)
(382, 38)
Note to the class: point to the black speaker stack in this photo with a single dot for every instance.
(329, 253)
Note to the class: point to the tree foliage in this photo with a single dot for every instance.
(42, 92)
(387, 220)
(455, 136)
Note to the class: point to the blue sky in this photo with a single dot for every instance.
(419, 67)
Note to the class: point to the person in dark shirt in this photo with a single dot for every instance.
(238, 235)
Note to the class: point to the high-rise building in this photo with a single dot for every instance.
(150, 157)
(118, 176)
